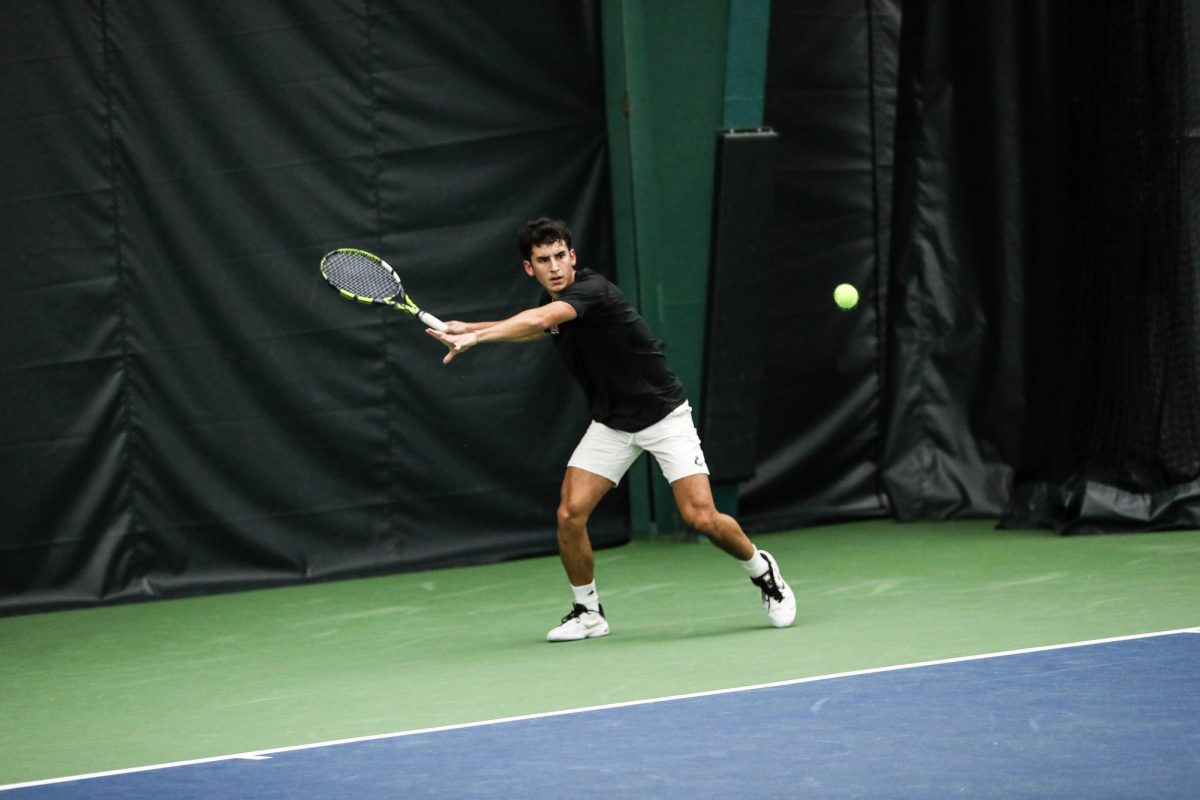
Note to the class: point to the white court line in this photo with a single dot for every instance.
(262, 755)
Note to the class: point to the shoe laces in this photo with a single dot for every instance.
(577, 611)
(767, 585)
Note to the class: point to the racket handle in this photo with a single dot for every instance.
(431, 320)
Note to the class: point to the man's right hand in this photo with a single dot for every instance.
(456, 343)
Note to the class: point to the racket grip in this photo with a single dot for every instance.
(431, 320)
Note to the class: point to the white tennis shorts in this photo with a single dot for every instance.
(672, 441)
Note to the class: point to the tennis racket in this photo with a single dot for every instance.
(367, 278)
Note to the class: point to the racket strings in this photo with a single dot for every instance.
(361, 276)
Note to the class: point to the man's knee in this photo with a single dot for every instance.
(572, 519)
(702, 518)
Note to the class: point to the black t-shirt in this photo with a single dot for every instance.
(610, 350)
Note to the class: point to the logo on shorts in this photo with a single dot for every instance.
(700, 460)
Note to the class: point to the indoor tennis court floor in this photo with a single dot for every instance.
(927, 661)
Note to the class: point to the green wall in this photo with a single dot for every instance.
(676, 73)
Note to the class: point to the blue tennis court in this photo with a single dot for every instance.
(1115, 718)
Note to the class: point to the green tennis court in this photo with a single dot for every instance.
(132, 685)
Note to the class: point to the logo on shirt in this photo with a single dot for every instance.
(554, 330)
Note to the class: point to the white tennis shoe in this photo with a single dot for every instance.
(581, 623)
(777, 597)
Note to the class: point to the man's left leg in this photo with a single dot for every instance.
(693, 496)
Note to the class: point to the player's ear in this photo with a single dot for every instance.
(528, 268)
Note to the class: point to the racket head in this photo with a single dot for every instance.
(361, 276)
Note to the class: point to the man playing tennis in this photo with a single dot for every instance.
(636, 403)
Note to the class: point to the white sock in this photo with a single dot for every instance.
(586, 596)
(756, 565)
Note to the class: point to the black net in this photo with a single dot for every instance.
(1116, 399)
(361, 275)
(1131, 416)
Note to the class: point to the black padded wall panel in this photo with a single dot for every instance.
(187, 405)
(742, 202)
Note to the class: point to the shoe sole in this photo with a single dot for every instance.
(591, 634)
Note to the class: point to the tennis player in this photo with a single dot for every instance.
(636, 403)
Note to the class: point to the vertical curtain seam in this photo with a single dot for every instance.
(881, 273)
(389, 467)
(126, 416)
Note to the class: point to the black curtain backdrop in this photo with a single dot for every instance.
(978, 228)
(1112, 435)
(186, 405)
(1044, 311)
(1014, 189)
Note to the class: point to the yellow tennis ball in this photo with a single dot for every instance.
(845, 295)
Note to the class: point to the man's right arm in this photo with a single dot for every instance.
(526, 326)
(456, 327)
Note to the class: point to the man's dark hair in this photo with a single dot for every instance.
(542, 230)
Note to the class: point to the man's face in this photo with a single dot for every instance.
(552, 265)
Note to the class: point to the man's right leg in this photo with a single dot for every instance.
(581, 492)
